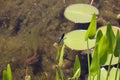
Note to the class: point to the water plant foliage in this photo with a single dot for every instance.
(7, 74)
(91, 29)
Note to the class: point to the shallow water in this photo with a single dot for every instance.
(31, 28)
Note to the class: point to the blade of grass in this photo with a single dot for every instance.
(61, 56)
(5, 77)
(111, 38)
(58, 54)
(9, 72)
(77, 68)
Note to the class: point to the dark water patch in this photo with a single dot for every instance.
(18, 23)
(81, 26)
(37, 64)
(118, 21)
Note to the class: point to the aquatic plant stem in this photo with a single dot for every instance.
(117, 69)
(99, 72)
(88, 57)
(91, 2)
(109, 66)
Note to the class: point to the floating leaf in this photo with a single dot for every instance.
(104, 29)
(80, 13)
(76, 40)
(102, 75)
(114, 60)
(91, 29)
(112, 74)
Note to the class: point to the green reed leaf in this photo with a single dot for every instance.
(61, 56)
(91, 29)
(77, 68)
(111, 38)
(94, 69)
(117, 48)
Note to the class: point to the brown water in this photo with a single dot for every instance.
(28, 29)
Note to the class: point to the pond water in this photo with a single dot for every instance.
(28, 30)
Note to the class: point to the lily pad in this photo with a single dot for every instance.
(112, 74)
(76, 40)
(80, 13)
(104, 72)
(104, 29)
(102, 75)
(114, 60)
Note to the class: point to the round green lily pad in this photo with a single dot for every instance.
(76, 40)
(114, 60)
(80, 13)
(104, 29)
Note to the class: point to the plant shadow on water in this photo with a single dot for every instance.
(36, 62)
(81, 26)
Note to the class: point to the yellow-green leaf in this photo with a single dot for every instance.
(91, 29)
(61, 56)
(117, 48)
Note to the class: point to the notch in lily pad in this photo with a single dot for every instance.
(80, 13)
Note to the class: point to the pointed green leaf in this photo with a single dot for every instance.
(76, 64)
(102, 49)
(5, 77)
(61, 56)
(77, 68)
(103, 59)
(94, 69)
(117, 48)
(91, 29)
(9, 72)
(103, 46)
(99, 35)
(111, 38)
